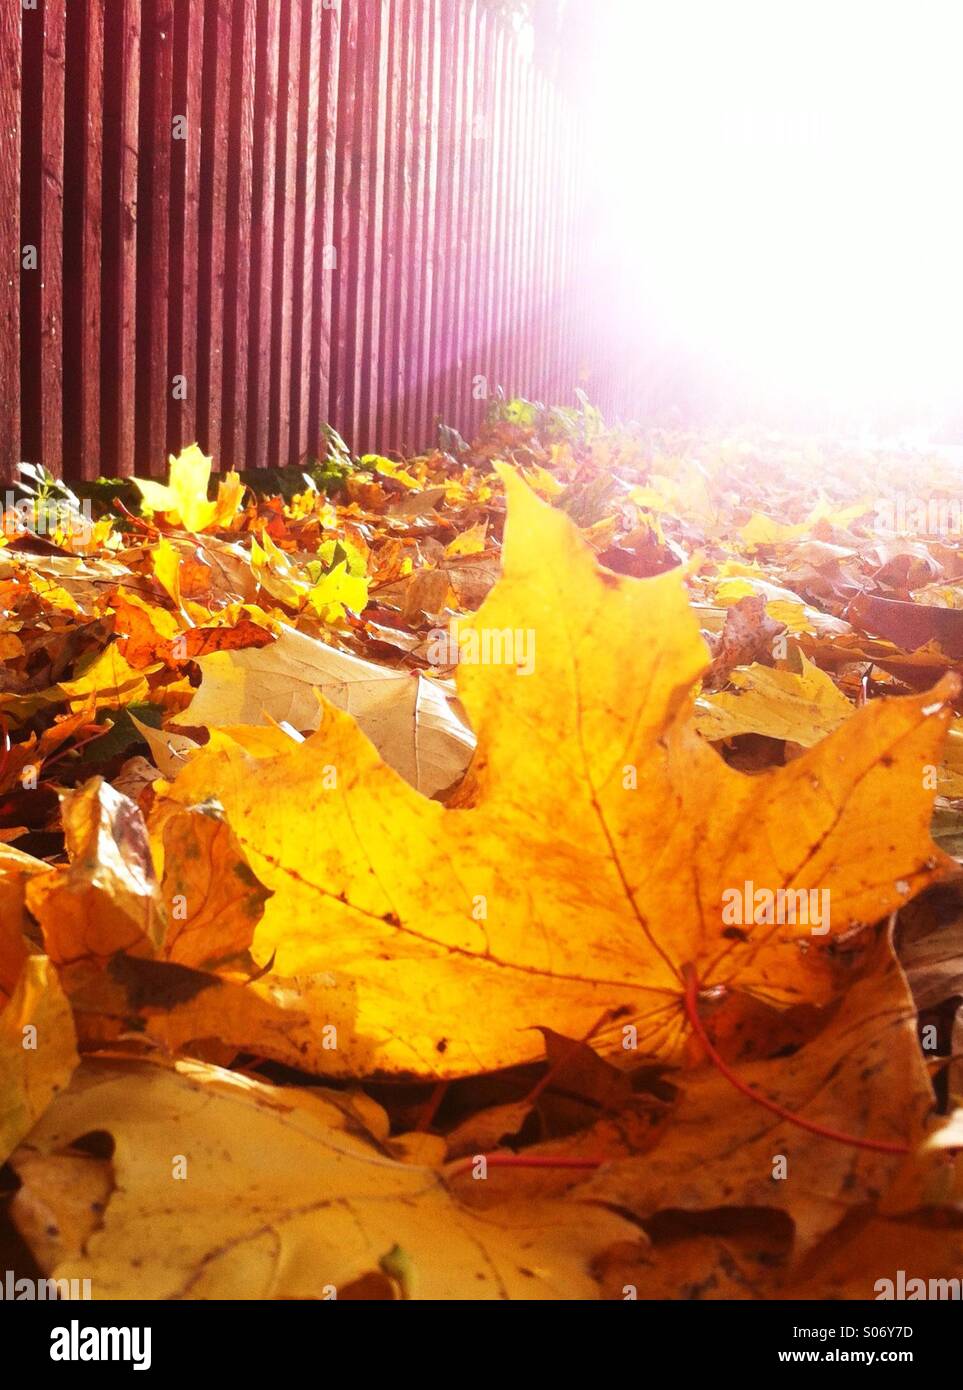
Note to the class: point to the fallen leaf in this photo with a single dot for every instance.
(803, 706)
(586, 861)
(406, 716)
(184, 498)
(107, 898)
(37, 1050)
(284, 1199)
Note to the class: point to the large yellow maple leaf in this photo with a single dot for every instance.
(590, 856)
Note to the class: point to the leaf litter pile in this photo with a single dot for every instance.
(528, 870)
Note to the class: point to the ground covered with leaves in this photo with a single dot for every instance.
(528, 870)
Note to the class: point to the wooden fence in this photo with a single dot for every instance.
(234, 220)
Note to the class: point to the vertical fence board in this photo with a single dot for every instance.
(475, 386)
(424, 423)
(305, 259)
(522, 237)
(91, 255)
(262, 240)
(51, 236)
(367, 213)
(459, 404)
(393, 280)
(500, 264)
(485, 305)
(326, 252)
(515, 325)
(558, 300)
(239, 212)
(185, 214)
(363, 214)
(444, 161)
(370, 361)
(503, 265)
(213, 224)
(536, 240)
(526, 381)
(533, 241)
(452, 340)
(285, 207)
(416, 118)
(122, 56)
(153, 238)
(10, 58)
(445, 195)
(541, 235)
(30, 238)
(343, 307)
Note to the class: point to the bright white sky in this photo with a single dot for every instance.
(789, 189)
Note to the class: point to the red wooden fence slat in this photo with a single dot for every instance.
(530, 184)
(41, 234)
(31, 233)
(569, 273)
(453, 335)
(430, 289)
(88, 432)
(417, 134)
(561, 295)
(239, 213)
(485, 298)
(522, 231)
(446, 198)
(570, 276)
(326, 252)
(285, 194)
(516, 248)
(551, 349)
(153, 239)
(501, 210)
(372, 161)
(524, 234)
(506, 346)
(471, 156)
(476, 386)
(10, 58)
(502, 217)
(305, 227)
(393, 286)
(212, 287)
(122, 54)
(262, 240)
(444, 168)
(344, 307)
(535, 242)
(457, 238)
(51, 242)
(539, 235)
(555, 351)
(541, 240)
(185, 217)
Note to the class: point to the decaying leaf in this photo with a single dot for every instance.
(407, 717)
(281, 1197)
